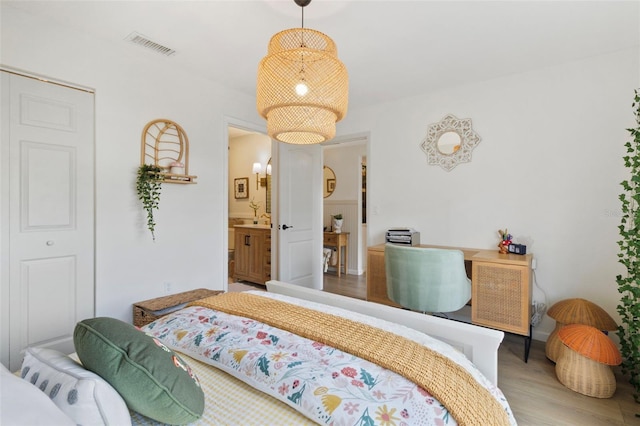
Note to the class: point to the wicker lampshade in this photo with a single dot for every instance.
(590, 342)
(302, 56)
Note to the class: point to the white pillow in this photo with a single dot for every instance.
(21, 403)
(80, 394)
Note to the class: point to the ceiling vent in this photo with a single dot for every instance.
(141, 40)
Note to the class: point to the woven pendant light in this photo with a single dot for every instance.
(302, 88)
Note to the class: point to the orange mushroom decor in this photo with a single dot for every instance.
(585, 359)
(575, 311)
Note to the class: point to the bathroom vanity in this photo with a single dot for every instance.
(252, 253)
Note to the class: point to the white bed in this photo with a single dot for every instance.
(240, 391)
(230, 333)
(479, 344)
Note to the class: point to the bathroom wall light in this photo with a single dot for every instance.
(261, 181)
(257, 168)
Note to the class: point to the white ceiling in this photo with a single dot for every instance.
(391, 49)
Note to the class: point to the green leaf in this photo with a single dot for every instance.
(263, 364)
(148, 186)
(629, 256)
(365, 419)
(367, 378)
(296, 397)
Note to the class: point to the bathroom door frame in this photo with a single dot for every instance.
(250, 127)
(261, 128)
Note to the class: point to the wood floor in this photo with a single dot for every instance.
(536, 397)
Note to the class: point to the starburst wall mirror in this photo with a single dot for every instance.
(450, 142)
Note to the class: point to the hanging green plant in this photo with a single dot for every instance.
(629, 256)
(148, 185)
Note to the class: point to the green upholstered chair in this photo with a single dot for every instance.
(426, 279)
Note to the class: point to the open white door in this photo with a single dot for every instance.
(299, 217)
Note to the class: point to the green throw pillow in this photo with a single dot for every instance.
(151, 378)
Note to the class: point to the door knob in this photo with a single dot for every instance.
(285, 227)
(50, 243)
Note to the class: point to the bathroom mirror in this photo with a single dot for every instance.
(450, 142)
(267, 202)
(328, 181)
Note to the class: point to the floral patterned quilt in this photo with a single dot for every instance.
(325, 384)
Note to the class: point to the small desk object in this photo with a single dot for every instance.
(331, 239)
(501, 288)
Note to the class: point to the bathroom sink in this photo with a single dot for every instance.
(251, 225)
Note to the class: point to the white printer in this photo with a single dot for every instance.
(406, 236)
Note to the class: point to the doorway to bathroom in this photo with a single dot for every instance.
(249, 205)
(249, 154)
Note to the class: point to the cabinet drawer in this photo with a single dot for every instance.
(330, 239)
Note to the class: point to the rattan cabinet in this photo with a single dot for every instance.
(501, 286)
(377, 277)
(501, 297)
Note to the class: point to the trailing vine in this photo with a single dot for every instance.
(629, 284)
(148, 185)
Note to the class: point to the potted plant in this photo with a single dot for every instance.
(337, 223)
(148, 185)
(629, 256)
(254, 206)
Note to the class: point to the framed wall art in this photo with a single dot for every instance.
(241, 187)
(331, 185)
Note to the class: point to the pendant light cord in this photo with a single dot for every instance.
(302, 27)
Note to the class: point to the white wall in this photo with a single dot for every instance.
(548, 168)
(132, 90)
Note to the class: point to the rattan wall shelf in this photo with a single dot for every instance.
(164, 142)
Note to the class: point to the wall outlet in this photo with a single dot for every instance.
(167, 288)
(538, 309)
(534, 263)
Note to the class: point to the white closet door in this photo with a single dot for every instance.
(48, 180)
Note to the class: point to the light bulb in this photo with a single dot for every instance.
(301, 88)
